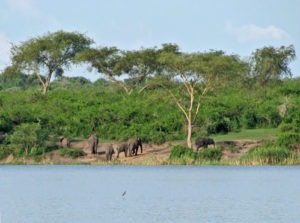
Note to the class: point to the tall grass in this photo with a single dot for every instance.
(268, 156)
(186, 156)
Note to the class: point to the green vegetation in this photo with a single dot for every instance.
(159, 94)
(186, 156)
(267, 155)
(259, 134)
(73, 153)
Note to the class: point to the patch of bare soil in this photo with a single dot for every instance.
(233, 149)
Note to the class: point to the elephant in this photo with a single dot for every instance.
(93, 143)
(204, 142)
(133, 146)
(109, 151)
(65, 142)
(122, 148)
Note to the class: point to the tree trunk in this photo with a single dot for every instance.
(46, 85)
(189, 133)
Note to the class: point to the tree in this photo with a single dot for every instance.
(271, 63)
(113, 63)
(48, 54)
(189, 76)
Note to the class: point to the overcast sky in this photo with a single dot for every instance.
(234, 26)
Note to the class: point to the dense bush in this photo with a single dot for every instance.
(187, 156)
(182, 152)
(28, 138)
(211, 154)
(75, 107)
(73, 153)
(289, 140)
(5, 151)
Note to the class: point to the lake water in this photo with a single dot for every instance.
(88, 194)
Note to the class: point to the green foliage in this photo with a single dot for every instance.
(181, 152)
(50, 53)
(287, 127)
(249, 119)
(73, 153)
(210, 154)
(5, 151)
(28, 138)
(185, 155)
(272, 63)
(160, 99)
(289, 140)
(267, 155)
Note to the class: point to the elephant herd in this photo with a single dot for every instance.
(129, 148)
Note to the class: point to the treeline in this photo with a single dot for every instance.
(75, 107)
(164, 94)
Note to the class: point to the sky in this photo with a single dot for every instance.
(233, 26)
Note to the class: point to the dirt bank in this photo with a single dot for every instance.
(152, 154)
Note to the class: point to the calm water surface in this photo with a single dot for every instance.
(88, 194)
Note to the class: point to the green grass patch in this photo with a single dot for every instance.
(257, 134)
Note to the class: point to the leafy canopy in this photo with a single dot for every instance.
(48, 54)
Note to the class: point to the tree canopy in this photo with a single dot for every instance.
(47, 54)
(270, 63)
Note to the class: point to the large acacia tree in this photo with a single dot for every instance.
(270, 63)
(188, 77)
(134, 66)
(45, 55)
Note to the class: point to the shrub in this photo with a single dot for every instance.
(249, 119)
(73, 153)
(5, 151)
(286, 127)
(210, 154)
(222, 126)
(27, 138)
(179, 152)
(288, 140)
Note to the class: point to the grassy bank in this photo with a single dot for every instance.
(257, 134)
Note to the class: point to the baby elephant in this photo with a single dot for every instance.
(122, 148)
(109, 151)
(204, 142)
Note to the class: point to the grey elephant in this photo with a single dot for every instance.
(93, 143)
(65, 142)
(204, 142)
(109, 151)
(133, 146)
(122, 148)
